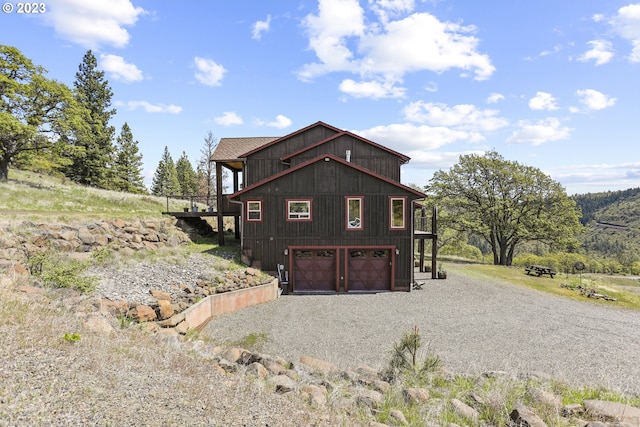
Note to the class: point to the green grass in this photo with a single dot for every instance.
(627, 291)
(31, 195)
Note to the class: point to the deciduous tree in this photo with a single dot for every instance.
(506, 203)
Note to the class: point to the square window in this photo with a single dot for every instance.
(397, 212)
(254, 210)
(354, 213)
(299, 210)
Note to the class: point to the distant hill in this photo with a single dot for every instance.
(612, 219)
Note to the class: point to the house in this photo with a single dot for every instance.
(325, 204)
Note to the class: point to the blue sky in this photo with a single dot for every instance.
(551, 84)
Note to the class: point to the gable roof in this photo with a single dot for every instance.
(276, 140)
(404, 158)
(322, 158)
(233, 148)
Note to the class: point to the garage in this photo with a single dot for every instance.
(368, 270)
(314, 270)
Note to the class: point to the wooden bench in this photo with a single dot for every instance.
(539, 270)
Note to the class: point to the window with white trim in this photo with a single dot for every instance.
(354, 213)
(299, 210)
(397, 212)
(254, 210)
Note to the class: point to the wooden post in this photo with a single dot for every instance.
(219, 203)
(434, 243)
(236, 224)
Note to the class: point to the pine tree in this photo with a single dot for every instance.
(165, 180)
(128, 163)
(186, 176)
(94, 156)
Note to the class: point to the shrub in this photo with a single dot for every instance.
(409, 359)
(57, 271)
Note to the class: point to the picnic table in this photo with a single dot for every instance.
(540, 270)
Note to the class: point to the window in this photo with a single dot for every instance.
(254, 210)
(354, 213)
(397, 212)
(299, 210)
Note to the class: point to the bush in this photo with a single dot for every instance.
(57, 271)
(409, 360)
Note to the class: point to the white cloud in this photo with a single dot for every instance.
(280, 122)
(385, 50)
(494, 98)
(154, 108)
(601, 52)
(119, 69)
(260, 27)
(549, 129)
(627, 24)
(209, 73)
(93, 23)
(594, 100)
(407, 137)
(461, 117)
(372, 89)
(228, 118)
(543, 101)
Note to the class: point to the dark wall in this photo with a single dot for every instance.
(327, 184)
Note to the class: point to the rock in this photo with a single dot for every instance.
(282, 383)
(257, 370)
(369, 398)
(143, 313)
(233, 355)
(168, 332)
(464, 410)
(317, 395)
(415, 395)
(172, 321)
(613, 411)
(572, 410)
(160, 295)
(398, 417)
(318, 365)
(544, 397)
(99, 325)
(252, 271)
(182, 328)
(523, 416)
(165, 309)
(114, 308)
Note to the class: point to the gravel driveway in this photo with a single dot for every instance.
(473, 325)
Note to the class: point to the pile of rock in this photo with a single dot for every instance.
(17, 241)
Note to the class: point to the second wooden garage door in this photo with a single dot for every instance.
(369, 270)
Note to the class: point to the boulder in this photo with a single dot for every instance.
(143, 313)
(160, 295)
(415, 395)
(464, 410)
(525, 417)
(165, 309)
(282, 383)
(613, 411)
(369, 398)
(318, 365)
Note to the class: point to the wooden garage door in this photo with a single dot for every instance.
(369, 270)
(314, 270)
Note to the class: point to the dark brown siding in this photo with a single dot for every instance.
(327, 184)
(362, 154)
(265, 163)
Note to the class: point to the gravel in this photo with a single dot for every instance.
(473, 325)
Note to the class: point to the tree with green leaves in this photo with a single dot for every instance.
(128, 163)
(94, 156)
(186, 176)
(506, 204)
(165, 180)
(34, 112)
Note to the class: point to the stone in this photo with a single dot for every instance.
(160, 295)
(118, 223)
(613, 411)
(282, 383)
(257, 370)
(398, 417)
(464, 410)
(369, 398)
(233, 355)
(114, 308)
(525, 417)
(99, 325)
(182, 328)
(415, 395)
(168, 332)
(317, 395)
(544, 397)
(318, 365)
(165, 309)
(381, 386)
(572, 410)
(172, 321)
(143, 313)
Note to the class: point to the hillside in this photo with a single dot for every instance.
(612, 221)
